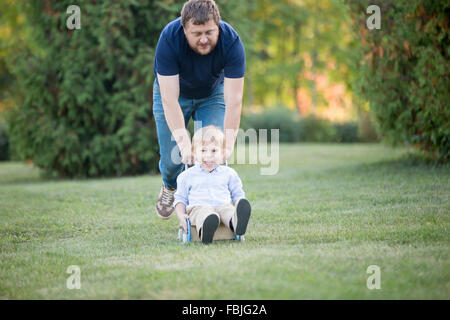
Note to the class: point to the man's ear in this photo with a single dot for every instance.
(184, 27)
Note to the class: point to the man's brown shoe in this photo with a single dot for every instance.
(164, 204)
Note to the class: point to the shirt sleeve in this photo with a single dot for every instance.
(235, 187)
(181, 195)
(235, 61)
(166, 61)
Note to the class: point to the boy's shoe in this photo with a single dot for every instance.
(164, 204)
(210, 226)
(241, 217)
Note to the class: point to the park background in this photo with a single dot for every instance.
(364, 130)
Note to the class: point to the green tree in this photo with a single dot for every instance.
(288, 30)
(86, 96)
(404, 72)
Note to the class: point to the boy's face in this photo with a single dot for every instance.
(209, 155)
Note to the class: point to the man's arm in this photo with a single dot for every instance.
(233, 93)
(170, 92)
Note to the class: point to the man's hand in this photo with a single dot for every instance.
(186, 153)
(227, 154)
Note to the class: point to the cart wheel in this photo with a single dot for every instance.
(188, 235)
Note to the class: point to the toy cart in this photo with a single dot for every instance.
(222, 233)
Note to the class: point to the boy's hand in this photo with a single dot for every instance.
(180, 209)
(182, 217)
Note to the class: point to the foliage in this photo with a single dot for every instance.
(287, 121)
(87, 95)
(307, 129)
(346, 132)
(294, 38)
(315, 129)
(366, 128)
(4, 142)
(405, 72)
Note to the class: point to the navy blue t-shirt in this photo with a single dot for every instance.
(199, 74)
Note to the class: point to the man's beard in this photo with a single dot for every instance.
(198, 48)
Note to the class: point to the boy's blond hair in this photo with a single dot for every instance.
(208, 134)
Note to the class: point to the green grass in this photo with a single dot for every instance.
(330, 212)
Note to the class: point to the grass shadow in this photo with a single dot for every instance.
(407, 163)
(18, 173)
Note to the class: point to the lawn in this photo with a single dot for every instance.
(330, 212)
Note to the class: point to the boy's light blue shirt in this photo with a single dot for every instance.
(199, 187)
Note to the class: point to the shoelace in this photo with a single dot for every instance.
(167, 196)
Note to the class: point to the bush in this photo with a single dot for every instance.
(405, 72)
(286, 120)
(4, 143)
(346, 132)
(314, 129)
(87, 94)
(366, 129)
(295, 129)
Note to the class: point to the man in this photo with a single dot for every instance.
(199, 68)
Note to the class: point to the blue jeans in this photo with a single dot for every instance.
(204, 112)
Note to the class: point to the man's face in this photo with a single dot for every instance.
(202, 38)
(209, 155)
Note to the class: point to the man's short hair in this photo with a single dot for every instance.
(200, 11)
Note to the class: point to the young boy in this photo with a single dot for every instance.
(208, 192)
